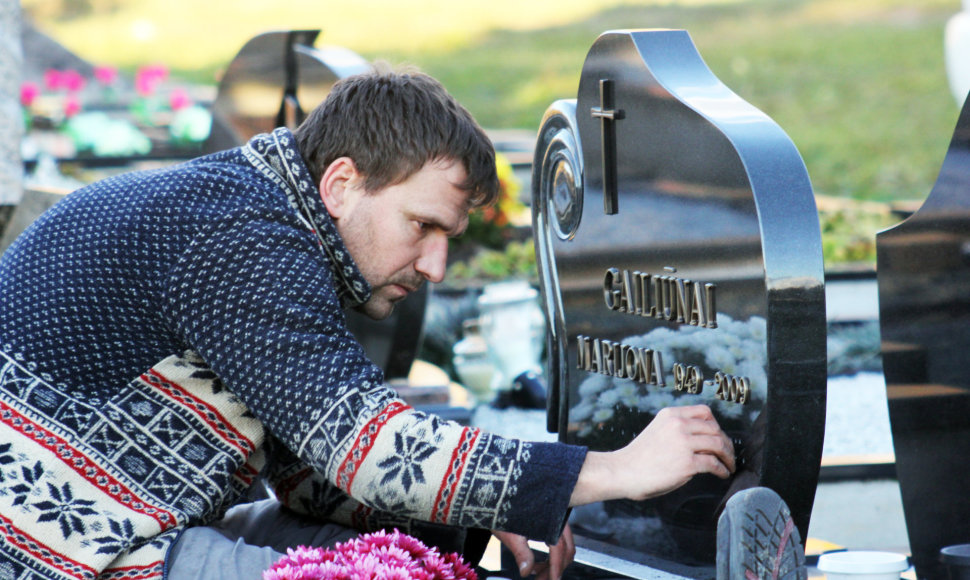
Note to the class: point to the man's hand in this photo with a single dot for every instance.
(678, 444)
(560, 556)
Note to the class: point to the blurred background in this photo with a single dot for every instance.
(859, 86)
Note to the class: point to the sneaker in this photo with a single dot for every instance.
(757, 539)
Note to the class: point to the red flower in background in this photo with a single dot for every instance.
(53, 79)
(148, 77)
(28, 93)
(179, 99)
(72, 106)
(106, 75)
(63, 80)
(72, 80)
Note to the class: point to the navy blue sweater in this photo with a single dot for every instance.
(234, 257)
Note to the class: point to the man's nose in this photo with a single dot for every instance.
(433, 259)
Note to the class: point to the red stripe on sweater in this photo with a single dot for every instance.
(84, 466)
(449, 483)
(364, 443)
(285, 487)
(206, 412)
(247, 474)
(24, 542)
(146, 572)
(358, 518)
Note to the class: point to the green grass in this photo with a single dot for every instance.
(858, 85)
(866, 102)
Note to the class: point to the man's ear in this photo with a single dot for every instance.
(340, 186)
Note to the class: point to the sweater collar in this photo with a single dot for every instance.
(276, 155)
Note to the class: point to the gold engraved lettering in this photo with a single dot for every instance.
(643, 283)
(644, 359)
(720, 382)
(662, 297)
(644, 365)
(711, 305)
(630, 292)
(605, 356)
(592, 349)
(698, 310)
(584, 358)
(630, 367)
(619, 360)
(695, 380)
(688, 378)
(668, 298)
(683, 287)
(619, 370)
(656, 375)
(745, 390)
(732, 388)
(610, 292)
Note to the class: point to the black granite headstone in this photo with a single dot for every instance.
(923, 269)
(680, 262)
(274, 80)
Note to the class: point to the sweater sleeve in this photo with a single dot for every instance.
(254, 296)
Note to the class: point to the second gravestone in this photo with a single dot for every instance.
(680, 262)
(924, 314)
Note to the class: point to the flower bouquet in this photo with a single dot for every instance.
(379, 555)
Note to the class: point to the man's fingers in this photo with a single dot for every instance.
(706, 437)
(518, 546)
(543, 572)
(708, 463)
(692, 412)
(567, 535)
(561, 555)
(702, 427)
(718, 446)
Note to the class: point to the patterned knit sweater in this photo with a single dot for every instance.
(230, 259)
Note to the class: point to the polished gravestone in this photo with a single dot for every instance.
(274, 80)
(680, 262)
(924, 298)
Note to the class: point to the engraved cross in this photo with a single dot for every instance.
(608, 115)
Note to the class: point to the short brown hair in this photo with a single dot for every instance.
(392, 124)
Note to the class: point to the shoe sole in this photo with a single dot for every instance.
(757, 539)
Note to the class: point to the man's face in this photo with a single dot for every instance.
(398, 236)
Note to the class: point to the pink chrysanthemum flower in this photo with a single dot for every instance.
(28, 93)
(179, 99)
(72, 106)
(53, 79)
(377, 556)
(148, 77)
(105, 74)
(72, 80)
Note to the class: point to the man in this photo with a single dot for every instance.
(167, 336)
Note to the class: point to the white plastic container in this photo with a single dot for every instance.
(862, 565)
(956, 55)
